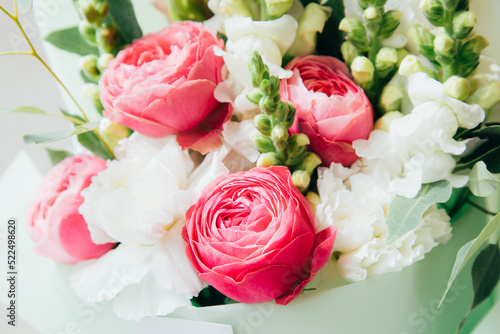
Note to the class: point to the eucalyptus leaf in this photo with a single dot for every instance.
(405, 213)
(481, 182)
(91, 142)
(25, 109)
(122, 14)
(485, 273)
(55, 136)
(70, 40)
(467, 251)
(24, 6)
(57, 156)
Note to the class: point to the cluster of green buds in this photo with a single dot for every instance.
(92, 66)
(372, 65)
(272, 138)
(452, 50)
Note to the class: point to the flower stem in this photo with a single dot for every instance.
(477, 206)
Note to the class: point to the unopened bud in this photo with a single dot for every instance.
(301, 180)
(257, 69)
(262, 143)
(263, 124)
(402, 53)
(108, 38)
(364, 3)
(103, 61)
(314, 200)
(349, 52)
(373, 18)
(275, 85)
(281, 111)
(445, 48)
(254, 97)
(362, 70)
(87, 31)
(268, 159)
(434, 11)
(91, 91)
(297, 146)
(113, 132)
(457, 87)
(356, 32)
(267, 105)
(487, 96)
(310, 162)
(420, 35)
(227, 8)
(88, 64)
(468, 58)
(463, 24)
(279, 136)
(265, 87)
(390, 22)
(384, 122)
(411, 64)
(277, 8)
(391, 98)
(450, 4)
(386, 60)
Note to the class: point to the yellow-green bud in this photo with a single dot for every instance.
(88, 64)
(265, 87)
(384, 122)
(411, 64)
(277, 8)
(362, 70)
(310, 162)
(113, 132)
(457, 87)
(356, 32)
(390, 22)
(391, 98)
(445, 48)
(275, 85)
(301, 180)
(468, 58)
(364, 3)
(94, 11)
(282, 111)
(379, 3)
(257, 69)
(254, 97)
(91, 91)
(487, 96)
(296, 148)
(262, 143)
(349, 52)
(268, 159)
(103, 61)
(279, 136)
(263, 124)
(420, 35)
(108, 38)
(475, 44)
(314, 200)
(450, 4)
(402, 53)
(434, 11)
(87, 31)
(267, 105)
(233, 7)
(386, 60)
(373, 18)
(463, 24)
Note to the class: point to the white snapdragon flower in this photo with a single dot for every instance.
(140, 201)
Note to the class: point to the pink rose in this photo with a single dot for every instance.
(164, 83)
(251, 235)
(331, 109)
(54, 223)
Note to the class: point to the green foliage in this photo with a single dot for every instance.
(57, 156)
(488, 152)
(70, 40)
(122, 13)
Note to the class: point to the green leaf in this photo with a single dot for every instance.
(122, 14)
(405, 214)
(91, 142)
(24, 6)
(70, 40)
(481, 182)
(57, 156)
(467, 251)
(25, 109)
(55, 136)
(489, 152)
(485, 273)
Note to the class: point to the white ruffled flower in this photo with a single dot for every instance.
(140, 201)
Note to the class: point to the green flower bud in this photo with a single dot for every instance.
(445, 48)
(356, 32)
(277, 8)
(487, 96)
(402, 53)
(314, 200)
(113, 132)
(450, 4)
(91, 91)
(290, 116)
(463, 24)
(384, 122)
(103, 61)
(268, 159)
(257, 69)
(94, 11)
(87, 31)
(267, 105)
(349, 52)
(391, 98)
(265, 87)
(279, 136)
(434, 11)
(310, 162)
(195, 10)
(108, 38)
(373, 18)
(468, 58)
(297, 146)
(301, 180)
(263, 124)
(457, 87)
(275, 85)
(282, 111)
(463, 5)
(362, 70)
(88, 65)
(254, 97)
(262, 143)
(379, 3)
(364, 3)
(420, 35)
(390, 21)
(386, 60)
(475, 44)
(411, 64)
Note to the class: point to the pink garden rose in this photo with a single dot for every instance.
(251, 235)
(164, 84)
(54, 223)
(331, 109)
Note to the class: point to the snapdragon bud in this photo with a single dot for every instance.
(402, 53)
(268, 159)
(279, 136)
(487, 96)
(263, 124)
(262, 143)
(275, 85)
(290, 116)
(232, 7)
(356, 32)
(434, 11)
(265, 87)
(254, 97)
(364, 3)
(445, 48)
(450, 4)
(391, 98)
(310, 162)
(103, 61)
(463, 24)
(411, 64)
(457, 87)
(277, 8)
(267, 105)
(379, 3)
(94, 11)
(301, 180)
(362, 70)
(468, 58)
(390, 22)
(87, 31)
(349, 52)
(384, 122)
(88, 65)
(420, 35)
(257, 69)
(386, 60)
(108, 38)
(296, 148)
(373, 18)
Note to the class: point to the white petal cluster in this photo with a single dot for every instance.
(140, 201)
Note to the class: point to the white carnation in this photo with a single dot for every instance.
(140, 201)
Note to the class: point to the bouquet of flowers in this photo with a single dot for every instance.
(255, 151)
